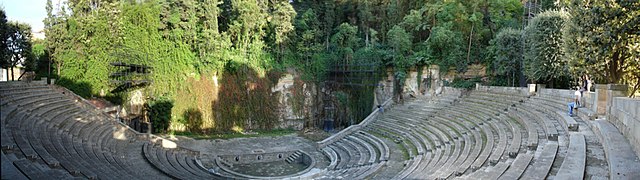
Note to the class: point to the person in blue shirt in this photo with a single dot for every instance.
(575, 103)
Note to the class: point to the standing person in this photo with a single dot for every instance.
(588, 82)
(583, 87)
(578, 97)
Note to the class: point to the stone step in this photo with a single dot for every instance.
(573, 165)
(543, 163)
(569, 123)
(29, 169)
(9, 170)
(623, 161)
(518, 166)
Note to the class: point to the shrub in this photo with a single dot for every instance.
(160, 113)
(464, 83)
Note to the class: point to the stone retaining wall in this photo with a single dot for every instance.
(503, 90)
(625, 115)
(304, 174)
(256, 157)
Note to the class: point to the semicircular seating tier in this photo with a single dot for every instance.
(474, 135)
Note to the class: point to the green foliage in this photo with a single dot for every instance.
(17, 47)
(160, 113)
(194, 120)
(465, 83)
(602, 40)
(4, 37)
(445, 48)
(345, 41)
(245, 101)
(231, 135)
(543, 60)
(507, 50)
(217, 58)
(41, 57)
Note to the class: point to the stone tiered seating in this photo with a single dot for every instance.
(359, 152)
(176, 163)
(50, 135)
(623, 162)
(574, 164)
(483, 135)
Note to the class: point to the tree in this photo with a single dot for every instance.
(345, 40)
(41, 58)
(604, 42)
(19, 46)
(5, 54)
(445, 48)
(281, 24)
(58, 35)
(507, 51)
(543, 60)
(400, 43)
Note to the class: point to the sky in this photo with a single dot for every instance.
(31, 12)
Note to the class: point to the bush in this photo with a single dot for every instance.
(465, 83)
(543, 60)
(160, 113)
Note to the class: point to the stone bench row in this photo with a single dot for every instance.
(20, 88)
(454, 132)
(508, 126)
(533, 112)
(465, 151)
(29, 143)
(496, 120)
(82, 138)
(515, 127)
(445, 171)
(66, 109)
(415, 159)
(560, 112)
(516, 169)
(357, 172)
(174, 162)
(356, 149)
(553, 104)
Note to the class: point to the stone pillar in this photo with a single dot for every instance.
(540, 88)
(604, 97)
(600, 99)
(532, 89)
(615, 90)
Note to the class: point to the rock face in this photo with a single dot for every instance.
(136, 102)
(296, 100)
(422, 80)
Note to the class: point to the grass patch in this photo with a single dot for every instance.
(405, 152)
(516, 122)
(231, 135)
(484, 139)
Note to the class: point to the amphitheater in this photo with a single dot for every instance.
(487, 133)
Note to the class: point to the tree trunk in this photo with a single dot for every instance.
(366, 38)
(635, 88)
(470, 38)
(11, 69)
